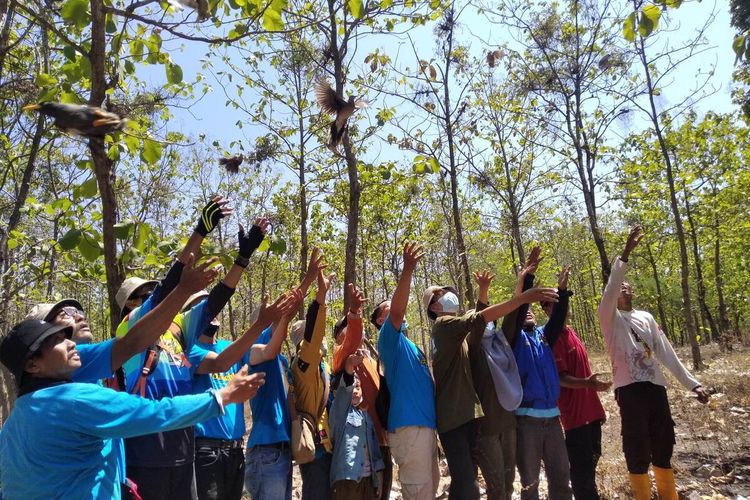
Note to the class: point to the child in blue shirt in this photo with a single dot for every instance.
(357, 465)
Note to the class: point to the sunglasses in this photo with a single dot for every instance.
(142, 296)
(71, 312)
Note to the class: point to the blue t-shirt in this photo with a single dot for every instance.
(271, 420)
(538, 372)
(171, 377)
(409, 380)
(58, 441)
(231, 425)
(96, 361)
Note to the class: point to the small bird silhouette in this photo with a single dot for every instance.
(79, 119)
(232, 163)
(333, 104)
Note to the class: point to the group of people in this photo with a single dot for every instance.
(157, 411)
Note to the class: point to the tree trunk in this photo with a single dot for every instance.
(687, 305)
(706, 313)
(659, 296)
(103, 166)
(723, 313)
(302, 204)
(468, 298)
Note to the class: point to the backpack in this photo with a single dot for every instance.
(305, 435)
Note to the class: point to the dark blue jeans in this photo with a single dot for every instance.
(316, 478)
(219, 471)
(268, 472)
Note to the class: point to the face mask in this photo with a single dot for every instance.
(211, 330)
(489, 330)
(449, 302)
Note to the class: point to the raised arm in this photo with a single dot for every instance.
(608, 306)
(353, 335)
(554, 326)
(220, 363)
(149, 328)
(513, 322)
(483, 280)
(265, 352)
(315, 324)
(496, 311)
(413, 253)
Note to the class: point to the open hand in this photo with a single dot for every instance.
(702, 394)
(413, 253)
(242, 386)
(215, 210)
(635, 236)
(195, 278)
(539, 295)
(316, 261)
(356, 299)
(483, 279)
(562, 279)
(353, 361)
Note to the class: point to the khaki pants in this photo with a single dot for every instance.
(414, 449)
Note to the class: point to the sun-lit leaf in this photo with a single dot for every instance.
(124, 230)
(649, 20)
(151, 152)
(76, 12)
(90, 247)
(628, 27)
(357, 8)
(174, 73)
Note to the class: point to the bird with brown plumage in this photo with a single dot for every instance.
(333, 104)
(79, 119)
(232, 163)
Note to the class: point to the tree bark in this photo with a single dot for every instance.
(684, 261)
(724, 325)
(659, 296)
(104, 167)
(706, 312)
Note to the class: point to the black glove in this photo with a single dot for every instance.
(248, 243)
(209, 219)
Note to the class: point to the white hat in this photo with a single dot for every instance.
(127, 288)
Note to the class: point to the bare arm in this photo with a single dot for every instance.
(412, 254)
(152, 325)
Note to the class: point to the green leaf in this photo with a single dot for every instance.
(69, 98)
(434, 165)
(738, 45)
(357, 8)
(44, 80)
(674, 4)
(278, 246)
(90, 247)
(124, 230)
(649, 21)
(628, 28)
(142, 236)
(151, 152)
(110, 25)
(264, 245)
(174, 73)
(272, 16)
(69, 53)
(136, 49)
(76, 12)
(86, 190)
(70, 239)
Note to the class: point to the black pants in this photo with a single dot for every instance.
(387, 473)
(316, 478)
(647, 426)
(584, 446)
(164, 483)
(219, 469)
(458, 444)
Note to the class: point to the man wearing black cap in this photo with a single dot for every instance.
(58, 440)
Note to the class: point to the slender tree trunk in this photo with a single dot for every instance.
(659, 296)
(455, 208)
(724, 327)
(302, 202)
(104, 168)
(684, 261)
(707, 317)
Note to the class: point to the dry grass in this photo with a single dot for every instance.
(712, 454)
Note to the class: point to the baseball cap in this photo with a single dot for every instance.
(127, 288)
(45, 311)
(23, 340)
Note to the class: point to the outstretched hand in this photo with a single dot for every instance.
(215, 210)
(356, 299)
(562, 279)
(635, 236)
(316, 261)
(284, 305)
(702, 394)
(249, 242)
(242, 386)
(413, 253)
(532, 262)
(353, 361)
(539, 295)
(195, 278)
(483, 279)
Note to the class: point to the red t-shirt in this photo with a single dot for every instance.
(578, 407)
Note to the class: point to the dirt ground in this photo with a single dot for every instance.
(712, 454)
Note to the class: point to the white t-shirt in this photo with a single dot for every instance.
(635, 342)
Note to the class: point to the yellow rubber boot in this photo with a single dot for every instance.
(641, 485)
(665, 483)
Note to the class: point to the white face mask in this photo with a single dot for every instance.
(449, 302)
